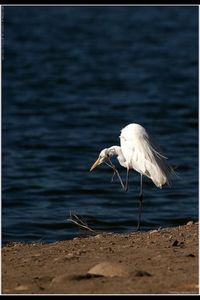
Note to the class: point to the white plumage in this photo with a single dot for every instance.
(143, 156)
(139, 153)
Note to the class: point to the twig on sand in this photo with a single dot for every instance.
(80, 222)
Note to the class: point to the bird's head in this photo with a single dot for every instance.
(102, 157)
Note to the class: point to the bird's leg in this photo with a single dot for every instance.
(126, 184)
(112, 179)
(140, 203)
(112, 166)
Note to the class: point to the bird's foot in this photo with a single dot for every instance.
(126, 188)
(138, 229)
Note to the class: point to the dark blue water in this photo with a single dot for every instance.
(73, 77)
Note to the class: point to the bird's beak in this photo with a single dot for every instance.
(97, 162)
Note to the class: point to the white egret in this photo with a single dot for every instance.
(139, 153)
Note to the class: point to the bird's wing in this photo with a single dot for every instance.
(145, 157)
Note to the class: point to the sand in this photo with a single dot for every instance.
(163, 261)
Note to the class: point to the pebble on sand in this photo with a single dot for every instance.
(109, 269)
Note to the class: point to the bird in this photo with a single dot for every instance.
(137, 151)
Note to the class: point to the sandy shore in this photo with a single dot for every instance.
(161, 261)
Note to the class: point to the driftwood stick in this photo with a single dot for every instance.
(80, 222)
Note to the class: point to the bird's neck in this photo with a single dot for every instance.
(114, 150)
